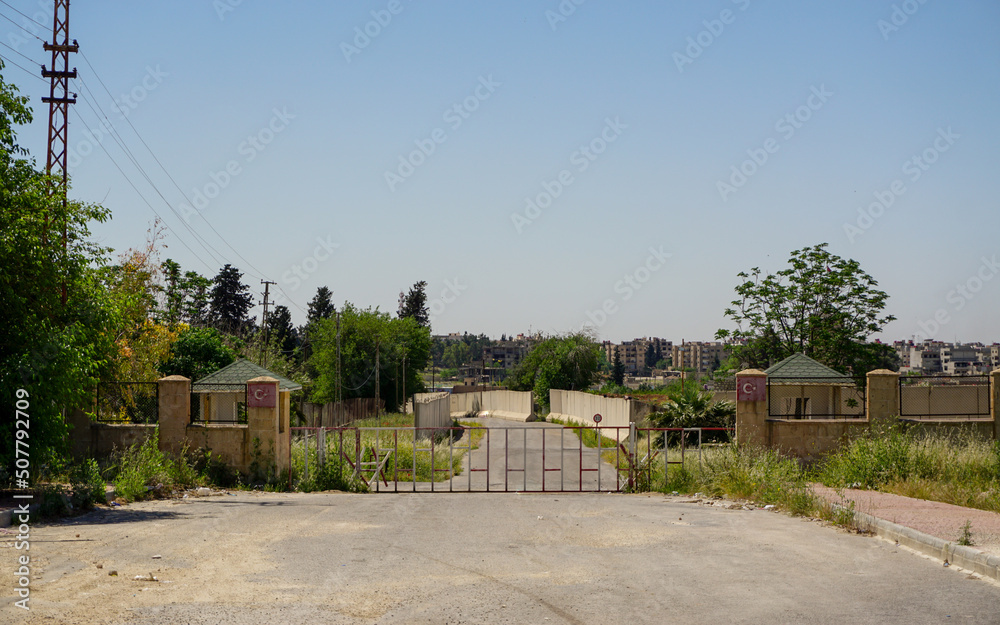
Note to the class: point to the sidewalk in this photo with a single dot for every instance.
(929, 527)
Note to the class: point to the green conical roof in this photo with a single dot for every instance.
(240, 372)
(801, 369)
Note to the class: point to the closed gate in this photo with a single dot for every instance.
(528, 458)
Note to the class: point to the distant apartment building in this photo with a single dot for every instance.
(702, 356)
(506, 354)
(937, 357)
(633, 353)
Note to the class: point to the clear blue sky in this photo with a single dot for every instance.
(869, 85)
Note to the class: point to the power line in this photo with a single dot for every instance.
(20, 53)
(24, 15)
(23, 69)
(113, 132)
(143, 198)
(177, 186)
(22, 27)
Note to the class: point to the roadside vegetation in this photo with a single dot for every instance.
(960, 469)
(395, 450)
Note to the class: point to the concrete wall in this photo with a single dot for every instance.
(233, 442)
(810, 439)
(502, 404)
(432, 410)
(577, 407)
(934, 401)
(339, 414)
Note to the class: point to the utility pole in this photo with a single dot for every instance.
(340, 383)
(378, 411)
(267, 326)
(59, 100)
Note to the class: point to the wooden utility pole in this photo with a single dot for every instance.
(59, 100)
(264, 322)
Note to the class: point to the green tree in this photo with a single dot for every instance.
(231, 301)
(198, 352)
(282, 331)
(414, 304)
(368, 337)
(821, 305)
(568, 362)
(54, 342)
(618, 370)
(321, 306)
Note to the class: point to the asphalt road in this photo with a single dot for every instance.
(477, 558)
(524, 457)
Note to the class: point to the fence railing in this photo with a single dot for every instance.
(814, 398)
(128, 402)
(930, 396)
(218, 403)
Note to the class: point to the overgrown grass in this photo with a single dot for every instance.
(400, 456)
(142, 471)
(960, 469)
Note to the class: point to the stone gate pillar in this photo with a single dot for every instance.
(751, 407)
(174, 412)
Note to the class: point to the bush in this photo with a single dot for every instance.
(143, 470)
(88, 485)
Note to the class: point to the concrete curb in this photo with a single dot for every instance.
(967, 558)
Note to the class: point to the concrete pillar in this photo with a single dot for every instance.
(751, 407)
(267, 422)
(995, 402)
(175, 412)
(882, 397)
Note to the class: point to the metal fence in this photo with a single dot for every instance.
(930, 396)
(814, 398)
(218, 403)
(128, 402)
(542, 458)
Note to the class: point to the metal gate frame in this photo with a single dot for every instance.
(630, 471)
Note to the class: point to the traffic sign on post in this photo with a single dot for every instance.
(598, 418)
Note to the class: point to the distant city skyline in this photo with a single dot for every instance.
(544, 164)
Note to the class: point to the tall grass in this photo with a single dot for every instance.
(960, 468)
(142, 470)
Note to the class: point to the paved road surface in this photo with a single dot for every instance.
(477, 558)
(515, 453)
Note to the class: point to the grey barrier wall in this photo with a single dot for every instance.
(502, 404)
(431, 410)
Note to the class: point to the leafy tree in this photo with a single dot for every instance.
(282, 331)
(567, 362)
(365, 334)
(321, 306)
(231, 301)
(172, 308)
(197, 353)
(457, 354)
(53, 348)
(821, 305)
(414, 304)
(618, 370)
(649, 359)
